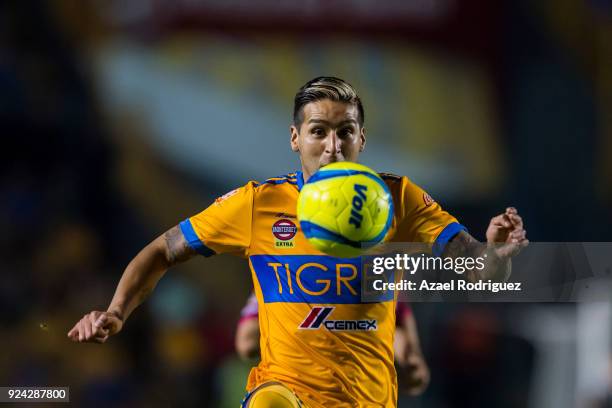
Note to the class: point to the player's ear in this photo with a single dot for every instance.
(363, 139)
(294, 138)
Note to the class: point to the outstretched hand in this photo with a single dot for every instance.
(507, 234)
(95, 327)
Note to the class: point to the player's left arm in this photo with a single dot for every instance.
(412, 370)
(506, 237)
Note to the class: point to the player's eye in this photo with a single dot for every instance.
(317, 131)
(345, 132)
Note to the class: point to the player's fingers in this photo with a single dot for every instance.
(98, 331)
(496, 229)
(81, 331)
(86, 325)
(513, 248)
(100, 339)
(91, 325)
(76, 336)
(73, 335)
(511, 210)
(518, 235)
(497, 234)
(516, 220)
(101, 320)
(507, 222)
(497, 220)
(98, 324)
(502, 220)
(95, 329)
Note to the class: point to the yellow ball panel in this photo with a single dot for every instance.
(354, 206)
(309, 202)
(346, 165)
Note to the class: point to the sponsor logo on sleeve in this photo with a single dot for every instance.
(428, 200)
(225, 196)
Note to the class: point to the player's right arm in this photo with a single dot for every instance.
(137, 282)
(223, 227)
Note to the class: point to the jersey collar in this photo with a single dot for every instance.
(300, 179)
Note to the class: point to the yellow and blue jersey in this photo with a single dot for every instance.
(317, 336)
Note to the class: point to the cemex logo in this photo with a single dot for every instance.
(318, 316)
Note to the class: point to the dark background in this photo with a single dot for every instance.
(120, 119)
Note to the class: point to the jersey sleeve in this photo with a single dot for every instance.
(223, 227)
(422, 219)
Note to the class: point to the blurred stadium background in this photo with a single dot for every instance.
(119, 119)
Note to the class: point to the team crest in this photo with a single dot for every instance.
(427, 199)
(284, 232)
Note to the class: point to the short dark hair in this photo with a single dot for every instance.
(325, 87)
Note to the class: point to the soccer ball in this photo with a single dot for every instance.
(344, 209)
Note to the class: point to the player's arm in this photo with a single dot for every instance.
(137, 282)
(412, 370)
(247, 332)
(506, 237)
(247, 339)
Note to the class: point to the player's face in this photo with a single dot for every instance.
(330, 132)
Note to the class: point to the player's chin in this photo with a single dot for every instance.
(331, 160)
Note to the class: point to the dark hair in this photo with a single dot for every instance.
(325, 87)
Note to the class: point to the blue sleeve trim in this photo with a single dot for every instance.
(193, 240)
(445, 236)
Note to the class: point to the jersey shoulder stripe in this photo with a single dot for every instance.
(287, 178)
(193, 240)
(390, 177)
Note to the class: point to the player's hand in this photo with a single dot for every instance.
(95, 327)
(412, 371)
(413, 374)
(507, 234)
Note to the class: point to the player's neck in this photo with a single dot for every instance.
(305, 174)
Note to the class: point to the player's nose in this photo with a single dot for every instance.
(333, 143)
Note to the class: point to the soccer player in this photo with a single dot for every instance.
(413, 373)
(321, 346)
